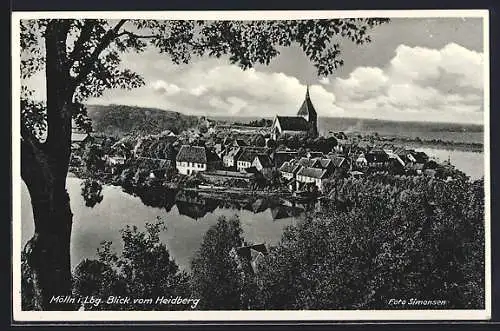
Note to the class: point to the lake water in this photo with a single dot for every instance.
(187, 222)
(184, 234)
(471, 163)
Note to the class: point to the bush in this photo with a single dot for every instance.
(144, 269)
(411, 238)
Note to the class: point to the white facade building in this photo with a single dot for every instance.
(191, 159)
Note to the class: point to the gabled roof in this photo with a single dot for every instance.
(307, 107)
(79, 137)
(234, 152)
(264, 160)
(305, 162)
(312, 172)
(293, 123)
(421, 157)
(247, 155)
(337, 160)
(401, 151)
(323, 162)
(289, 167)
(189, 153)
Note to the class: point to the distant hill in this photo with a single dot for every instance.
(119, 120)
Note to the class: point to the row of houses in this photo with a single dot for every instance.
(313, 170)
(399, 159)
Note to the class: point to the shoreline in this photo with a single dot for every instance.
(459, 147)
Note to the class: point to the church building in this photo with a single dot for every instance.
(305, 123)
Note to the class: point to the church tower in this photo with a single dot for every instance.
(308, 112)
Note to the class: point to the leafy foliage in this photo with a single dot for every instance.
(144, 269)
(215, 276)
(417, 238)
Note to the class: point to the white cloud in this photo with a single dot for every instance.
(226, 89)
(423, 64)
(324, 81)
(468, 65)
(362, 83)
(419, 81)
(161, 86)
(199, 90)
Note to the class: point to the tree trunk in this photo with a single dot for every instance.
(44, 167)
(48, 252)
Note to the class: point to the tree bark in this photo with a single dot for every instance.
(48, 252)
(44, 168)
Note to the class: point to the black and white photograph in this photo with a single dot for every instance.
(239, 165)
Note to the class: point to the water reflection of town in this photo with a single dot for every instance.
(196, 205)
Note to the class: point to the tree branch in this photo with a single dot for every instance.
(134, 35)
(84, 36)
(90, 62)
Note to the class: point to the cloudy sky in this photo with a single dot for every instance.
(414, 69)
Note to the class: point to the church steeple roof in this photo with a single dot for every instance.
(307, 107)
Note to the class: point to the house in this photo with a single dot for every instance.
(325, 163)
(377, 159)
(305, 123)
(415, 168)
(361, 161)
(261, 162)
(340, 162)
(395, 159)
(191, 159)
(115, 160)
(404, 155)
(248, 257)
(420, 157)
(79, 140)
(245, 160)
(430, 172)
(230, 159)
(311, 175)
(157, 167)
(280, 157)
(219, 150)
(289, 169)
